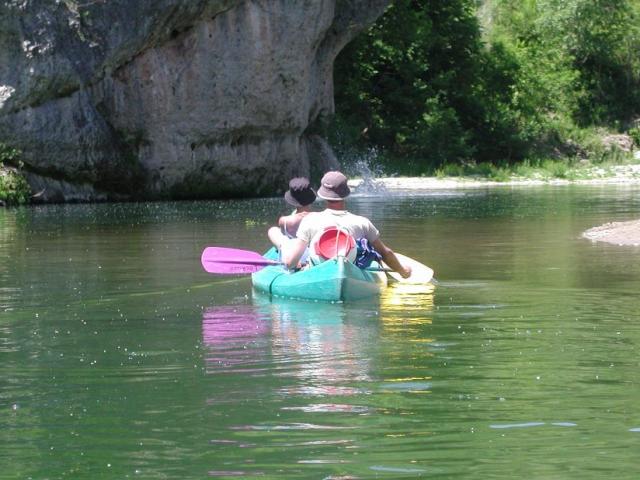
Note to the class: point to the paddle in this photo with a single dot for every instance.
(233, 261)
(420, 273)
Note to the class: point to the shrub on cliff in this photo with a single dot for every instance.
(14, 189)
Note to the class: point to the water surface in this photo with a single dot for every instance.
(121, 358)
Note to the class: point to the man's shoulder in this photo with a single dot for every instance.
(358, 218)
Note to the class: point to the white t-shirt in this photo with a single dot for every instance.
(316, 222)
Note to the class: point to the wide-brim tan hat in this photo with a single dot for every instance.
(334, 186)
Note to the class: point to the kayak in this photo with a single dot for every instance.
(334, 280)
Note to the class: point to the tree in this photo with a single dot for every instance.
(429, 84)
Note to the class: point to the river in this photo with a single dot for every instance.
(121, 358)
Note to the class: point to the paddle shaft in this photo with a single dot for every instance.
(267, 263)
(233, 261)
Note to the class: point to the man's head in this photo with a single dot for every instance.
(300, 193)
(334, 187)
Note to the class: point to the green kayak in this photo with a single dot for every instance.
(335, 280)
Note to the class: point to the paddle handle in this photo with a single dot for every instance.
(378, 269)
(232, 261)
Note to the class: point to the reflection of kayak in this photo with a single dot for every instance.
(302, 314)
(333, 280)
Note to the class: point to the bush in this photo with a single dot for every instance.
(14, 189)
(634, 133)
(403, 86)
(427, 85)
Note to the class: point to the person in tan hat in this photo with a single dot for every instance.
(334, 189)
(301, 196)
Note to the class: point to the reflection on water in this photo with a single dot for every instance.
(405, 304)
(318, 358)
(325, 347)
(235, 338)
(311, 342)
(333, 366)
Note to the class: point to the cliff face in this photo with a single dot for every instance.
(170, 98)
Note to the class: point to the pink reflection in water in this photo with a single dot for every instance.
(235, 337)
(231, 322)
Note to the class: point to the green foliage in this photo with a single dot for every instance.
(591, 43)
(484, 170)
(556, 169)
(9, 155)
(543, 169)
(401, 81)
(634, 133)
(14, 189)
(430, 86)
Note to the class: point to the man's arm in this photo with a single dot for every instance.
(292, 251)
(390, 259)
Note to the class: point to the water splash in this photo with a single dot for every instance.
(365, 166)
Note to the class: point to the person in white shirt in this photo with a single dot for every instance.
(334, 190)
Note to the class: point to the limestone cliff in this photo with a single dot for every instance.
(170, 98)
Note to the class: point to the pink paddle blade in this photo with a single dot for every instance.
(233, 261)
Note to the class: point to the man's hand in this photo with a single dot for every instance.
(390, 259)
(405, 272)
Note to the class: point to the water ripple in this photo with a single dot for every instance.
(291, 426)
(531, 424)
(331, 408)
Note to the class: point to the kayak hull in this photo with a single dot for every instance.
(336, 280)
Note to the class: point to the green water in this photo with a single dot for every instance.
(121, 358)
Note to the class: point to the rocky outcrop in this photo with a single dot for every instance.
(170, 98)
(618, 233)
(621, 142)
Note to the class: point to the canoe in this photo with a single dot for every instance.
(335, 280)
